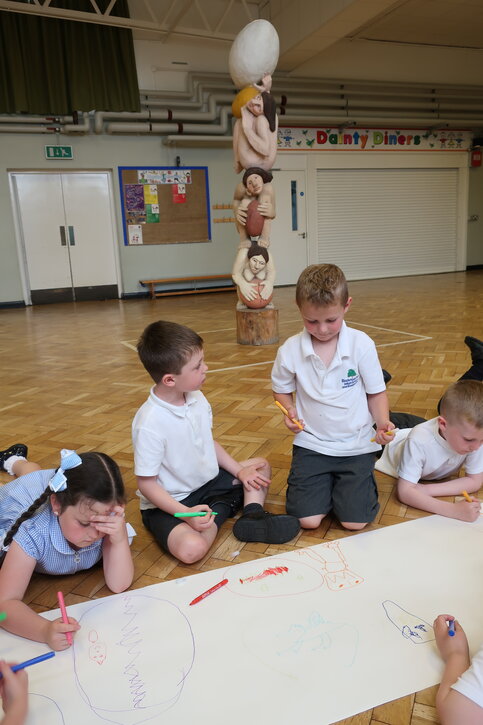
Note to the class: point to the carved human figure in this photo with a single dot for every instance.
(255, 133)
(255, 187)
(254, 274)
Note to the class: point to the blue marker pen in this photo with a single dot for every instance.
(451, 631)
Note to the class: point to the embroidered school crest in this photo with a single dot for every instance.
(351, 379)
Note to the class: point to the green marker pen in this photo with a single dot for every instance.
(196, 513)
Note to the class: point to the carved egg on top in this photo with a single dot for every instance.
(254, 53)
(255, 221)
(258, 302)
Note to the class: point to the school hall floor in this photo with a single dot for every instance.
(71, 379)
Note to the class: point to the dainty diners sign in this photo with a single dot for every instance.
(312, 138)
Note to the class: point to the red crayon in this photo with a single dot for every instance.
(209, 591)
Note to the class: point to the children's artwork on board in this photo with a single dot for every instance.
(330, 629)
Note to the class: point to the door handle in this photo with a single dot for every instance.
(63, 243)
(71, 236)
(302, 234)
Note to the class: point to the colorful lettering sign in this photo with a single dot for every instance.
(359, 139)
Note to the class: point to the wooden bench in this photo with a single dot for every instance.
(151, 283)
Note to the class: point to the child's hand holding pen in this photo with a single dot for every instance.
(291, 421)
(14, 693)
(199, 523)
(455, 645)
(385, 433)
(467, 510)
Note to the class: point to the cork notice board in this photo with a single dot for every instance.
(165, 205)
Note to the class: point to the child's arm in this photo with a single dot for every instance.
(379, 408)
(421, 496)
(286, 399)
(116, 553)
(154, 492)
(470, 483)
(14, 694)
(15, 575)
(452, 706)
(249, 476)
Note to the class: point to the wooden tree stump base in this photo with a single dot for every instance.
(257, 327)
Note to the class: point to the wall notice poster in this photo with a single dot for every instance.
(171, 204)
(135, 233)
(179, 193)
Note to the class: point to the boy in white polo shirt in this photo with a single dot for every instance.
(439, 448)
(180, 468)
(336, 375)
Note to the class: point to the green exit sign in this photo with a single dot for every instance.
(58, 152)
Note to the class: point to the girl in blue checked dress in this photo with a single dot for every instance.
(60, 522)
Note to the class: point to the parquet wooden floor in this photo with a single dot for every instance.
(71, 379)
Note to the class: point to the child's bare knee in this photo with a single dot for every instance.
(190, 550)
(351, 526)
(311, 522)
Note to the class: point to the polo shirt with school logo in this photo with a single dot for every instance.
(332, 401)
(175, 444)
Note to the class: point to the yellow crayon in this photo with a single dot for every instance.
(285, 412)
(387, 432)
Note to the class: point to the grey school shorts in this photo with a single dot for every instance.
(161, 524)
(345, 485)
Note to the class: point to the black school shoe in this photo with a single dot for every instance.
(261, 526)
(476, 347)
(18, 449)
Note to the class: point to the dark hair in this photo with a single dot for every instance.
(270, 110)
(266, 175)
(256, 250)
(164, 347)
(98, 478)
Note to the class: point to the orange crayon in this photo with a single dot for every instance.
(285, 412)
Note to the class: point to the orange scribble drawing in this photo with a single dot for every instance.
(330, 558)
(268, 572)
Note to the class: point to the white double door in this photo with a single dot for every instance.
(65, 224)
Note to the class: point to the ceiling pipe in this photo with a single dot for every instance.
(170, 128)
(28, 119)
(29, 129)
(78, 128)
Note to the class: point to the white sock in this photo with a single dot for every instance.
(10, 462)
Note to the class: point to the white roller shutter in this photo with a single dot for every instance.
(387, 222)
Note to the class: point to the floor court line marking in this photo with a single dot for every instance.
(416, 338)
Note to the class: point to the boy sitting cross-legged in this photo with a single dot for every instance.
(180, 468)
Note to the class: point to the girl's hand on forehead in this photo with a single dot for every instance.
(111, 524)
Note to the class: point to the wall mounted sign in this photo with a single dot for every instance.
(321, 138)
